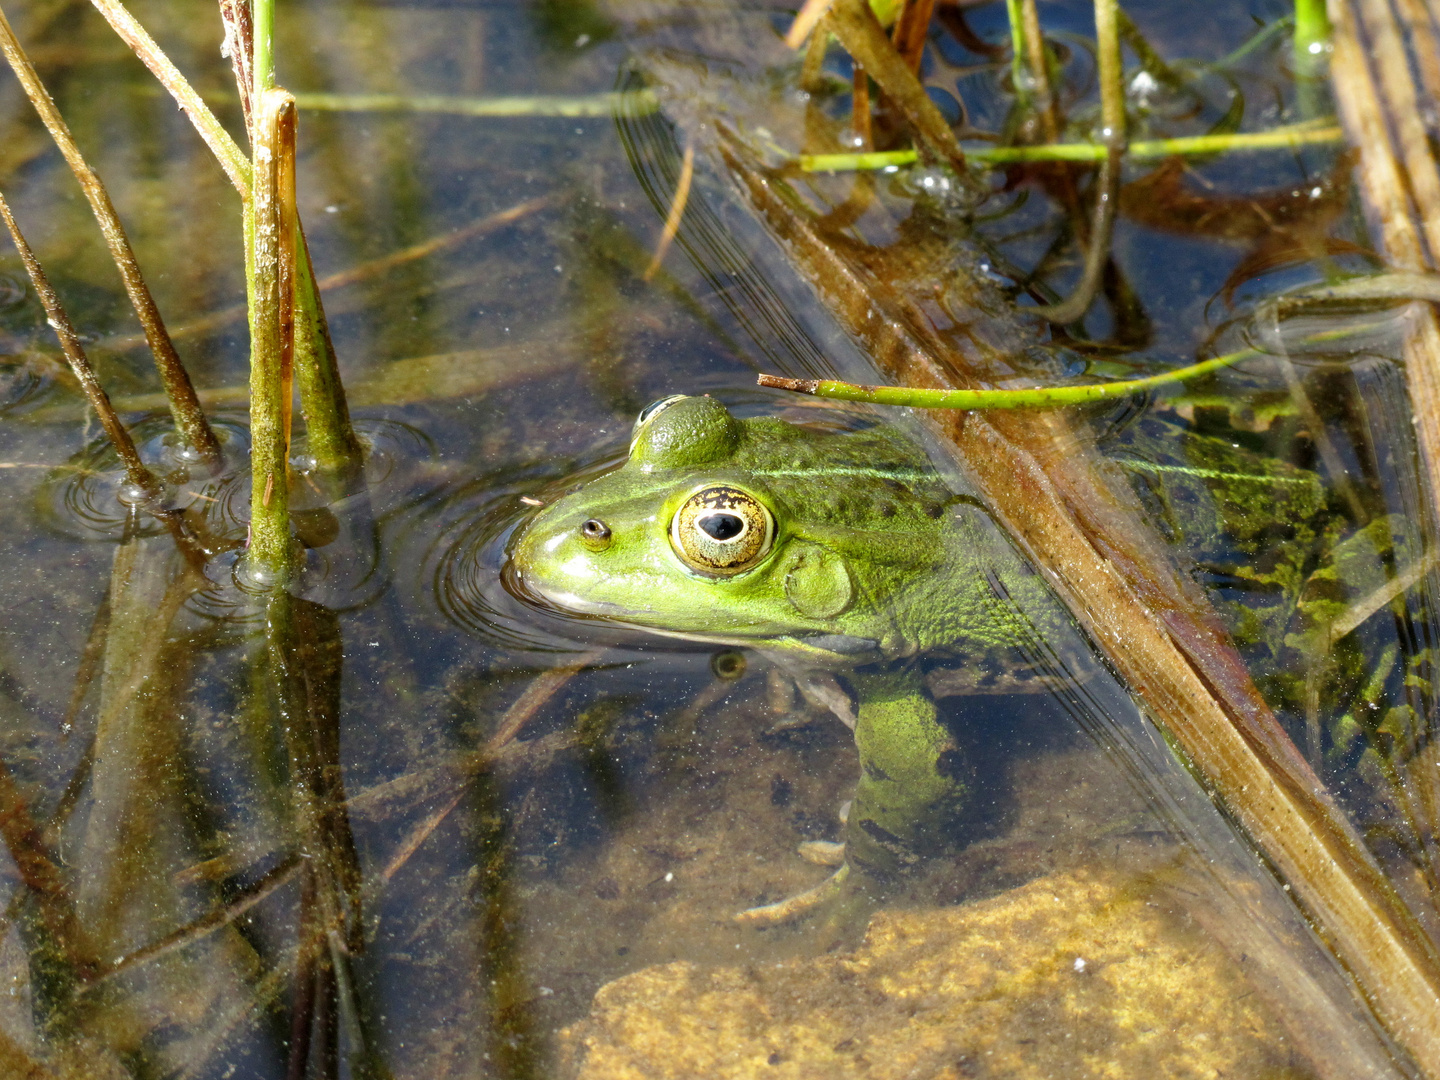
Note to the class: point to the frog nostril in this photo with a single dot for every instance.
(594, 533)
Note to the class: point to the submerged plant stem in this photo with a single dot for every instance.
(677, 212)
(631, 102)
(184, 405)
(1107, 184)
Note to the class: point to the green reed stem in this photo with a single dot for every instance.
(640, 102)
(262, 56)
(1040, 397)
(1018, 77)
(1052, 397)
(1283, 138)
(331, 437)
(1111, 74)
(271, 269)
(1312, 37)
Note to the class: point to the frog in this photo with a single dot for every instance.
(833, 549)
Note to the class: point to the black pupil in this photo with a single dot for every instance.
(723, 526)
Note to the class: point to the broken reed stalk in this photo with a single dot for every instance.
(136, 474)
(333, 443)
(337, 451)
(185, 408)
(271, 231)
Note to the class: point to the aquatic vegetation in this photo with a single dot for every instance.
(293, 779)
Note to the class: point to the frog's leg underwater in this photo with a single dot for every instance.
(911, 785)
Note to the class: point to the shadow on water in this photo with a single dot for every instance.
(407, 821)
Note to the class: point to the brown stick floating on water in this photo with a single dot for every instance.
(184, 405)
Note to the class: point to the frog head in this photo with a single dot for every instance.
(714, 529)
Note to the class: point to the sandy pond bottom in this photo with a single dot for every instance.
(1075, 937)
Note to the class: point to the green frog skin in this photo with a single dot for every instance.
(841, 551)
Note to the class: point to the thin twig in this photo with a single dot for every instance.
(911, 30)
(206, 925)
(135, 471)
(805, 19)
(184, 405)
(232, 159)
(541, 689)
(677, 212)
(218, 320)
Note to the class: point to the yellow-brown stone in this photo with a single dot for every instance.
(1071, 975)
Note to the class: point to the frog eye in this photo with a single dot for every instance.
(721, 531)
(654, 409)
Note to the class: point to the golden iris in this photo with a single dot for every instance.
(721, 530)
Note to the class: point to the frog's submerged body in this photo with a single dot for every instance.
(841, 550)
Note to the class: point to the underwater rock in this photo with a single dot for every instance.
(1070, 975)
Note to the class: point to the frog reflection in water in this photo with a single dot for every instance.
(833, 551)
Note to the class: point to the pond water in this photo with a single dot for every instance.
(497, 840)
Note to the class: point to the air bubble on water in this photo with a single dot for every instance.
(131, 494)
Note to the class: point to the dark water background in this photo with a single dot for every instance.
(647, 800)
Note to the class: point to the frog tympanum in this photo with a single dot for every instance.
(838, 551)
